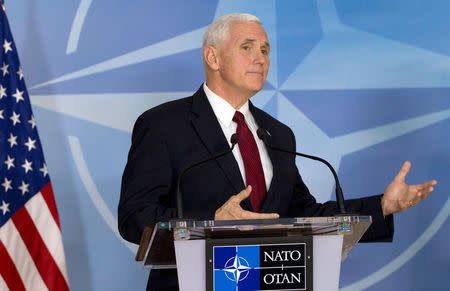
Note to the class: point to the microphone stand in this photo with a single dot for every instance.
(234, 139)
(339, 196)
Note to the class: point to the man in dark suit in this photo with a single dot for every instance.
(254, 181)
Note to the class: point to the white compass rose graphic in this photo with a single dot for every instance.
(236, 269)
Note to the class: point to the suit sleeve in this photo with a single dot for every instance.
(303, 204)
(145, 196)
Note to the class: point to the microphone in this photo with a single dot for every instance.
(339, 196)
(234, 139)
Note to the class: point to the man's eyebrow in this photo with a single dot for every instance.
(252, 40)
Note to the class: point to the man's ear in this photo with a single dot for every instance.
(210, 54)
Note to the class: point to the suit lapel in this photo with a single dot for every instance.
(208, 129)
(263, 122)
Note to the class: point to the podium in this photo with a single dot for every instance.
(270, 254)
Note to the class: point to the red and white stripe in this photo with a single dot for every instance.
(31, 248)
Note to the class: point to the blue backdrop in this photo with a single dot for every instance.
(365, 84)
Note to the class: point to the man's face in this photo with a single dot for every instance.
(244, 59)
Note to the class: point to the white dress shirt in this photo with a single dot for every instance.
(224, 113)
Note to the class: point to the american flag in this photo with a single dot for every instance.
(31, 248)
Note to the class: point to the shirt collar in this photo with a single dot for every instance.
(222, 109)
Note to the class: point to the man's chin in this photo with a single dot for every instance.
(256, 85)
(257, 88)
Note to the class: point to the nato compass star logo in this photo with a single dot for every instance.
(332, 62)
(236, 269)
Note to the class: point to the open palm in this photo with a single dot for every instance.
(399, 196)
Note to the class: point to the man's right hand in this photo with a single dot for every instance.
(232, 209)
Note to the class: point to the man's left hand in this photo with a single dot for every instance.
(399, 196)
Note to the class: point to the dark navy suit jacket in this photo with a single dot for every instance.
(168, 138)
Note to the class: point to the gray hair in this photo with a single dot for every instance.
(217, 32)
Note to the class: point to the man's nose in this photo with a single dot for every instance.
(259, 58)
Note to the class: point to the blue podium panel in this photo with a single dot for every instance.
(283, 263)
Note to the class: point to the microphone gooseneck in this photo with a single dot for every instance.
(339, 195)
(234, 140)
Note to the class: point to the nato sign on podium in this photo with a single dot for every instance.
(277, 254)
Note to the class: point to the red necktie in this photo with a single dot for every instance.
(252, 162)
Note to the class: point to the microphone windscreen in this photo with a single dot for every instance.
(261, 134)
(234, 138)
